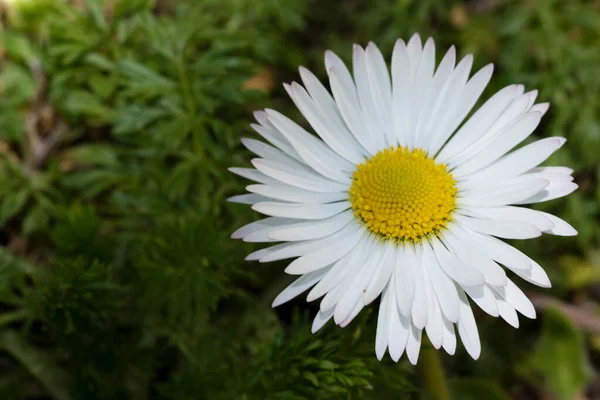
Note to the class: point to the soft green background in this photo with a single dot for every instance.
(118, 121)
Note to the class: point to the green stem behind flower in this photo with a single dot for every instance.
(434, 377)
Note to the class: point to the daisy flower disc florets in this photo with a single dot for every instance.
(398, 194)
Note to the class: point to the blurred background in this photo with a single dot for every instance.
(118, 277)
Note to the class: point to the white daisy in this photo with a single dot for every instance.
(397, 196)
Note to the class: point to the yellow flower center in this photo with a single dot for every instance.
(403, 195)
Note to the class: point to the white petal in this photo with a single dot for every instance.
(449, 337)
(295, 195)
(467, 328)
(518, 161)
(266, 151)
(273, 136)
(405, 284)
(321, 319)
(247, 199)
(560, 228)
(516, 298)
(456, 268)
(484, 298)
(501, 193)
(500, 145)
(413, 346)
(313, 151)
(495, 248)
(553, 191)
(355, 311)
(442, 284)
(535, 275)
(533, 217)
(382, 275)
(258, 226)
(480, 122)
(434, 314)
(420, 89)
(503, 229)
(302, 178)
(301, 211)
(383, 322)
(335, 135)
(506, 311)
(345, 266)
(326, 255)
(310, 229)
(469, 97)
(419, 304)
(398, 334)
(381, 90)
(300, 285)
(471, 255)
(252, 174)
(401, 92)
(346, 98)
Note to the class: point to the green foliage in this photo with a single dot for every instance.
(118, 121)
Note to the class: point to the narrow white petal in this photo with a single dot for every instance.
(541, 108)
(273, 136)
(355, 311)
(252, 174)
(469, 97)
(266, 151)
(480, 122)
(467, 328)
(257, 226)
(442, 284)
(501, 193)
(302, 178)
(335, 135)
(325, 256)
(516, 298)
(296, 231)
(300, 285)
(345, 266)
(321, 319)
(456, 268)
(381, 90)
(434, 314)
(419, 304)
(382, 275)
(471, 255)
(365, 97)
(449, 343)
(413, 346)
(247, 199)
(496, 249)
(560, 228)
(301, 211)
(295, 195)
(398, 334)
(383, 322)
(484, 298)
(553, 191)
(535, 275)
(401, 92)
(405, 284)
(506, 311)
(518, 161)
(420, 89)
(503, 229)
(313, 151)
(507, 213)
(346, 98)
(500, 144)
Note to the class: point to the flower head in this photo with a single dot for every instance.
(397, 196)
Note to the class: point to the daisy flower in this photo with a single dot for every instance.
(398, 195)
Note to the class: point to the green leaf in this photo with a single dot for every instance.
(475, 389)
(561, 356)
(12, 204)
(40, 365)
(35, 221)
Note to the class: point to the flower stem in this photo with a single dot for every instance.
(434, 377)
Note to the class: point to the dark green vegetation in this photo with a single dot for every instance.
(118, 279)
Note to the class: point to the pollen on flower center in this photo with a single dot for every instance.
(403, 195)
